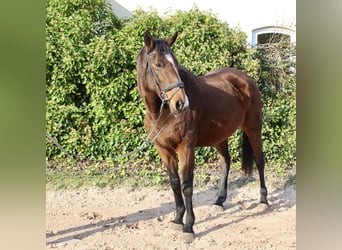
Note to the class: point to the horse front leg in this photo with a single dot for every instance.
(169, 160)
(176, 188)
(186, 155)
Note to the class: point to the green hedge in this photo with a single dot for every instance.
(93, 107)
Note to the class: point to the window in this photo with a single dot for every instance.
(272, 34)
(272, 38)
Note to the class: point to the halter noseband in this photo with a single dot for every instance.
(179, 85)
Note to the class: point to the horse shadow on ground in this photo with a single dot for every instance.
(104, 225)
(278, 198)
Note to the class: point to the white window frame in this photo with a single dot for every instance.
(272, 29)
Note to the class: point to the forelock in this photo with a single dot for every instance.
(162, 47)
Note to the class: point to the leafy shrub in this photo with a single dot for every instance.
(93, 107)
(277, 84)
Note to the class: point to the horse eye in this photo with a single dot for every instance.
(158, 65)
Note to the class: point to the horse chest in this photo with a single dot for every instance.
(168, 133)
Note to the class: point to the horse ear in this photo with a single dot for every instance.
(172, 39)
(148, 39)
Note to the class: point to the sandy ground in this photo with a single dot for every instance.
(139, 218)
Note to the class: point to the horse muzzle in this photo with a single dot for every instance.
(176, 97)
(179, 104)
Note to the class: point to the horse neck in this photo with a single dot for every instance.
(152, 103)
(150, 99)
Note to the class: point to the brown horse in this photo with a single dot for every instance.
(184, 111)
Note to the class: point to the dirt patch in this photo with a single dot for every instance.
(138, 218)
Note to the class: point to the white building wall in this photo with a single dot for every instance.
(249, 15)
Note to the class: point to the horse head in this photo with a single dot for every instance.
(159, 72)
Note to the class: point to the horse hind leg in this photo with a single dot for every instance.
(222, 149)
(252, 146)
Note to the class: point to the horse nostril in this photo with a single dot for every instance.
(179, 105)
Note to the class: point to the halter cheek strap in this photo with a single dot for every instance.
(179, 85)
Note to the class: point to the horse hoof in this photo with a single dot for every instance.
(263, 207)
(176, 226)
(218, 208)
(188, 237)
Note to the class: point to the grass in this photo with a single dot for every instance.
(69, 174)
(74, 174)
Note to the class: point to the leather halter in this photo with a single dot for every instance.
(179, 85)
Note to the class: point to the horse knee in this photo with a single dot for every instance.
(187, 190)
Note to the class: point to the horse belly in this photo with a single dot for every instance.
(216, 131)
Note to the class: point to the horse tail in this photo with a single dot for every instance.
(247, 155)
